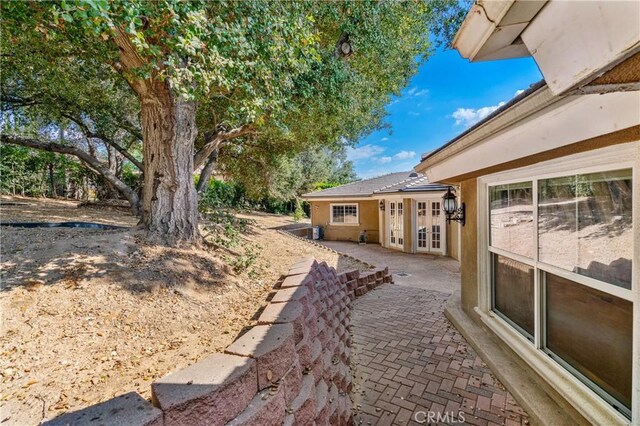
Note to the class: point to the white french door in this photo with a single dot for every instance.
(429, 227)
(396, 224)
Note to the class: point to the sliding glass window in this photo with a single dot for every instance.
(574, 247)
(511, 238)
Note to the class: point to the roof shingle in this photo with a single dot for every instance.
(389, 183)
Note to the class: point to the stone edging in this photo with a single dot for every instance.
(313, 243)
(292, 368)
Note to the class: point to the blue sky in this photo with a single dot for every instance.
(446, 96)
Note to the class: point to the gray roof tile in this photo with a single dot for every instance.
(389, 183)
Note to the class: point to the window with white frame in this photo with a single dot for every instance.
(568, 238)
(346, 214)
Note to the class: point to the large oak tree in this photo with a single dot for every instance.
(184, 78)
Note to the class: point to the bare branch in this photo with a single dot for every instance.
(92, 162)
(97, 135)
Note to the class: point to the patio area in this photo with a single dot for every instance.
(423, 271)
(410, 365)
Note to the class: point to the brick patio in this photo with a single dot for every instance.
(407, 358)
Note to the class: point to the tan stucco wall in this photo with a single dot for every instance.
(408, 230)
(452, 240)
(368, 216)
(469, 252)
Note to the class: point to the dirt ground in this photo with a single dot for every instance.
(89, 314)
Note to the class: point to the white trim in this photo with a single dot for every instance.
(352, 198)
(592, 406)
(396, 245)
(442, 222)
(372, 197)
(559, 124)
(414, 224)
(574, 43)
(332, 205)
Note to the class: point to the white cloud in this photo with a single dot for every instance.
(469, 116)
(518, 92)
(384, 160)
(364, 152)
(404, 155)
(414, 92)
(384, 139)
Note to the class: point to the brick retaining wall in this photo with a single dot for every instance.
(292, 368)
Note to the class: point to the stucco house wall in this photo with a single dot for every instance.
(367, 216)
(453, 240)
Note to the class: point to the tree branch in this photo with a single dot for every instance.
(17, 101)
(216, 141)
(97, 135)
(130, 59)
(92, 162)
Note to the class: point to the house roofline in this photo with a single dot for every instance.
(536, 97)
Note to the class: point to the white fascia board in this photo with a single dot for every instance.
(540, 99)
(574, 42)
(479, 24)
(573, 119)
(352, 198)
(413, 194)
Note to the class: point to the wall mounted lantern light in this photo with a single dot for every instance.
(381, 205)
(451, 209)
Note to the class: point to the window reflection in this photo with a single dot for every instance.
(511, 212)
(585, 225)
(592, 332)
(513, 284)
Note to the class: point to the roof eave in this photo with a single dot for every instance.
(491, 29)
(537, 98)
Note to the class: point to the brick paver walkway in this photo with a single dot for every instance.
(408, 360)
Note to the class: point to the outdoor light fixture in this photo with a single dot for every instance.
(381, 205)
(451, 209)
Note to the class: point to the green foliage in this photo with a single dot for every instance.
(26, 172)
(298, 213)
(220, 194)
(319, 186)
(273, 173)
(269, 65)
(246, 260)
(224, 229)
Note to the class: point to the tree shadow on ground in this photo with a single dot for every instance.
(74, 257)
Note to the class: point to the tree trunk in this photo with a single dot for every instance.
(52, 182)
(207, 171)
(169, 201)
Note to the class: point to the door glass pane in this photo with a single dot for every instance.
(422, 224)
(592, 332)
(400, 224)
(585, 225)
(513, 292)
(511, 211)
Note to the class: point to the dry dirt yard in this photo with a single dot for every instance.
(90, 314)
